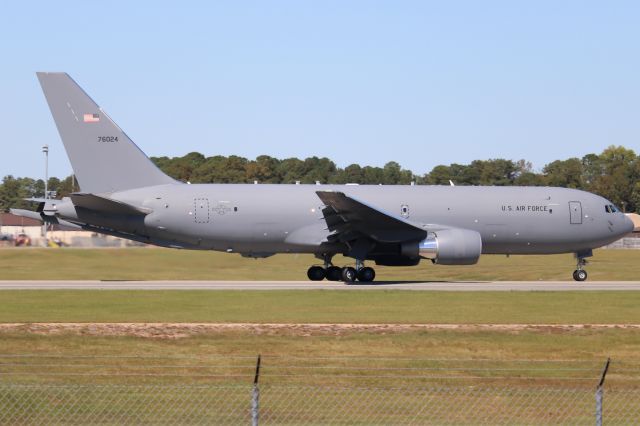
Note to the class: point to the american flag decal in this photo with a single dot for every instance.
(91, 118)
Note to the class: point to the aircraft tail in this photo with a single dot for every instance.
(103, 157)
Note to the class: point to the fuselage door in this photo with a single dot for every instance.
(201, 210)
(575, 212)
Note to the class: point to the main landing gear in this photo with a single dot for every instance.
(347, 274)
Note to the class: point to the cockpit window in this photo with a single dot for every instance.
(610, 208)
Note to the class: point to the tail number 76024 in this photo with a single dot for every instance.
(107, 139)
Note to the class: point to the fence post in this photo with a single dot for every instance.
(255, 399)
(600, 393)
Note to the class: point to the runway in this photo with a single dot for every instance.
(324, 285)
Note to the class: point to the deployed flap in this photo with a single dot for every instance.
(106, 205)
(350, 219)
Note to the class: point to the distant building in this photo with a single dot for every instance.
(11, 227)
(9, 221)
(16, 228)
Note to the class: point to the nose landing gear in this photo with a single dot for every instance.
(580, 274)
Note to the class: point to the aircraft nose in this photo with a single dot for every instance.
(628, 225)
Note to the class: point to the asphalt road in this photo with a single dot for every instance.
(323, 285)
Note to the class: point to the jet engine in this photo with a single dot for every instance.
(448, 247)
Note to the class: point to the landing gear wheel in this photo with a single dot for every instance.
(580, 275)
(333, 273)
(316, 273)
(349, 274)
(366, 274)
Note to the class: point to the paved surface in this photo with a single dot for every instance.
(323, 285)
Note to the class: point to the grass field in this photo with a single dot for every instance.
(166, 264)
(309, 378)
(521, 360)
(292, 354)
(320, 306)
(575, 357)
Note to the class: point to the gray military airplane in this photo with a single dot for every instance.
(125, 195)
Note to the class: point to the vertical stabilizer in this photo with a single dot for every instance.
(103, 157)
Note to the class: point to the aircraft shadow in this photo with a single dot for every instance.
(390, 283)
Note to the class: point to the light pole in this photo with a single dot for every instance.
(45, 149)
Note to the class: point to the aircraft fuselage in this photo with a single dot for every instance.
(266, 219)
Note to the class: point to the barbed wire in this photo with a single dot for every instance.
(278, 356)
(297, 367)
(345, 376)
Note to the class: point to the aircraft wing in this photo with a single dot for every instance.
(350, 219)
(106, 205)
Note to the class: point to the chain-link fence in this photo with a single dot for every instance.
(301, 405)
(335, 397)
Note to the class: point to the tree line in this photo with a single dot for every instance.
(614, 174)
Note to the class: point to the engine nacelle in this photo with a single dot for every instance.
(448, 247)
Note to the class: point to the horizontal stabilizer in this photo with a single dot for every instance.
(26, 213)
(38, 200)
(52, 220)
(106, 205)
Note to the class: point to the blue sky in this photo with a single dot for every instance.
(422, 83)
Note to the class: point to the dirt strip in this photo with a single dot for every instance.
(180, 330)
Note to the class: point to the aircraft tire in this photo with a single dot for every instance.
(334, 273)
(580, 275)
(366, 274)
(349, 274)
(316, 273)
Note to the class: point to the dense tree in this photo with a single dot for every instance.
(619, 173)
(181, 168)
(290, 170)
(351, 174)
(565, 173)
(634, 201)
(66, 187)
(13, 191)
(529, 179)
(480, 172)
(614, 174)
(264, 169)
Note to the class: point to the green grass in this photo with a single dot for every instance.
(167, 264)
(319, 306)
(473, 358)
